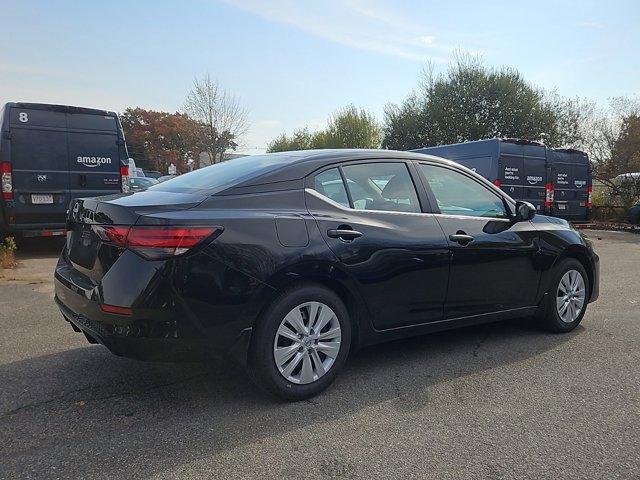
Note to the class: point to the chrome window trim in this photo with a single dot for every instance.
(317, 194)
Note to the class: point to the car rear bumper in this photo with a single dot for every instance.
(154, 334)
(140, 348)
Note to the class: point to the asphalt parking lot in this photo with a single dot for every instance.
(495, 401)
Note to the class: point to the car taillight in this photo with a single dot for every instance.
(117, 235)
(124, 178)
(589, 196)
(548, 199)
(156, 242)
(497, 182)
(7, 182)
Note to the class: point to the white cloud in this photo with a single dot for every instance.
(591, 24)
(363, 25)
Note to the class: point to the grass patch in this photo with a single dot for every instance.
(8, 253)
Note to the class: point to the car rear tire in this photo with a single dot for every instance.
(567, 297)
(300, 343)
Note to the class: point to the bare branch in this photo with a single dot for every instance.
(221, 114)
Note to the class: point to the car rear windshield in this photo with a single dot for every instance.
(221, 176)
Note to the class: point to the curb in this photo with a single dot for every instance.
(615, 227)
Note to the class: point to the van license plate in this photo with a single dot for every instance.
(41, 199)
(562, 206)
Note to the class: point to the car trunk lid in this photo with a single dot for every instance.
(90, 254)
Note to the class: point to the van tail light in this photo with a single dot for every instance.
(497, 183)
(7, 181)
(548, 199)
(124, 178)
(589, 196)
(156, 242)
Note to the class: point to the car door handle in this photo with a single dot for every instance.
(343, 234)
(461, 238)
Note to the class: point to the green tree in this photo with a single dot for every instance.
(300, 140)
(351, 128)
(471, 101)
(346, 128)
(404, 125)
(614, 149)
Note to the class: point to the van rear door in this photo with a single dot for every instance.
(535, 176)
(572, 179)
(39, 159)
(581, 183)
(94, 154)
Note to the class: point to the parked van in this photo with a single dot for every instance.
(571, 176)
(556, 181)
(50, 154)
(519, 167)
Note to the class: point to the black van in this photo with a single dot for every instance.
(519, 167)
(556, 181)
(50, 154)
(571, 176)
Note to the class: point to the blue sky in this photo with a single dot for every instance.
(292, 63)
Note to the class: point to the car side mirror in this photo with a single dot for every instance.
(524, 211)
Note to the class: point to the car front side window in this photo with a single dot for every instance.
(457, 194)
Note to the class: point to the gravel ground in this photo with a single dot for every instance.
(495, 401)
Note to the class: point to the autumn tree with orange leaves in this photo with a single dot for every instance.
(157, 139)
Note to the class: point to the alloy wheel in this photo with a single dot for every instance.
(307, 342)
(570, 297)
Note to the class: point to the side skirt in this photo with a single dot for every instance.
(379, 336)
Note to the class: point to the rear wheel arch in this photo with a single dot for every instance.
(354, 305)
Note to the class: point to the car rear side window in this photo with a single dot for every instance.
(457, 194)
(381, 187)
(329, 183)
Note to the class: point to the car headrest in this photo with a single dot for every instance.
(398, 187)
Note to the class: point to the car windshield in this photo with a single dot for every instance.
(221, 176)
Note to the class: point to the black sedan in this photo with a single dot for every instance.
(634, 214)
(287, 262)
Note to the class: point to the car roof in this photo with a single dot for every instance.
(296, 165)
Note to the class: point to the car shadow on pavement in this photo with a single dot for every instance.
(87, 412)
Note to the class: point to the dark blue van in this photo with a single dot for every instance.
(519, 167)
(50, 154)
(571, 177)
(557, 182)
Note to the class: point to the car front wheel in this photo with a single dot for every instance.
(567, 297)
(300, 343)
